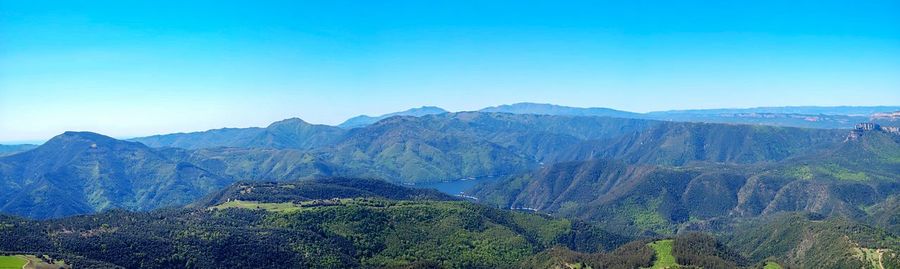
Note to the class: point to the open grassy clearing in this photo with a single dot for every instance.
(872, 256)
(12, 262)
(30, 262)
(664, 257)
(288, 207)
(772, 265)
(274, 207)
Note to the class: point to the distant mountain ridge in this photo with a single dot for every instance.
(13, 149)
(363, 120)
(289, 133)
(822, 117)
(808, 110)
(297, 134)
(550, 109)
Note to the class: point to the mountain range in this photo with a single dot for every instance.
(88, 172)
(568, 187)
(286, 133)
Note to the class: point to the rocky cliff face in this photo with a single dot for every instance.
(862, 128)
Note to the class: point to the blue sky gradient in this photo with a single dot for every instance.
(132, 68)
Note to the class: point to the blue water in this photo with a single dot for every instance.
(456, 187)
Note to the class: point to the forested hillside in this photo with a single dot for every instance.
(358, 227)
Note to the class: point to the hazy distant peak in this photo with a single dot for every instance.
(805, 110)
(289, 121)
(363, 120)
(419, 111)
(551, 109)
(82, 136)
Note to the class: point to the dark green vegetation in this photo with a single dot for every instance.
(362, 231)
(689, 250)
(809, 241)
(631, 255)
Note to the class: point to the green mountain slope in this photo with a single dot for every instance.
(811, 242)
(856, 180)
(80, 172)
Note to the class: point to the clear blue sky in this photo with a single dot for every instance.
(130, 68)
